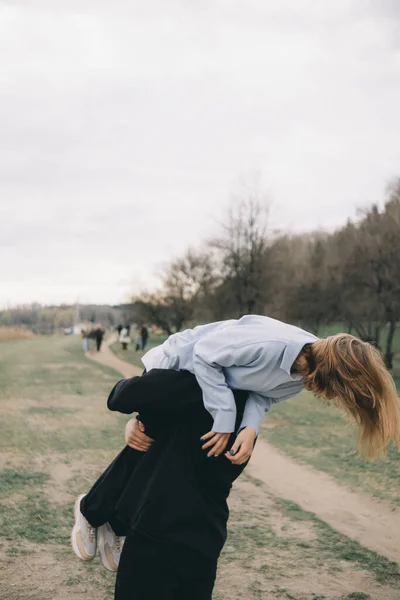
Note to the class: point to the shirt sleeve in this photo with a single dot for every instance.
(257, 405)
(254, 410)
(211, 354)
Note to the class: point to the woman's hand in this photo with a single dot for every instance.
(135, 436)
(217, 442)
(242, 449)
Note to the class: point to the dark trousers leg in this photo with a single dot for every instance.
(98, 506)
(149, 570)
(197, 588)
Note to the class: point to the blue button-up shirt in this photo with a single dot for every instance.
(253, 353)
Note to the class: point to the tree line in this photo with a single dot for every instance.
(349, 276)
(47, 320)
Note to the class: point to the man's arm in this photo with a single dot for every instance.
(161, 391)
(135, 436)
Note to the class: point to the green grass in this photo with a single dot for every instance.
(329, 543)
(33, 519)
(12, 480)
(133, 357)
(54, 416)
(57, 436)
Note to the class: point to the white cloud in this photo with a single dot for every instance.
(124, 124)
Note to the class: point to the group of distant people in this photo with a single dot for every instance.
(142, 335)
(96, 333)
(93, 332)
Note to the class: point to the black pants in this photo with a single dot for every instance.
(150, 570)
(98, 506)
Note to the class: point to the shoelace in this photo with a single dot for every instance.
(118, 543)
(92, 534)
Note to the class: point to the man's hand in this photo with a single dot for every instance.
(215, 442)
(242, 449)
(135, 436)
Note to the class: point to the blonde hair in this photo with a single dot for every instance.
(352, 375)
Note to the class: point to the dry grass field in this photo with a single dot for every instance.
(57, 436)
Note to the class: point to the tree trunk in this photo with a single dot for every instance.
(377, 336)
(389, 344)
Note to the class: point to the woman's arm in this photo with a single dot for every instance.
(254, 411)
(226, 348)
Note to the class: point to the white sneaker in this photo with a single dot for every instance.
(83, 536)
(110, 547)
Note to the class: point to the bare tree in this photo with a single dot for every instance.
(242, 250)
(351, 275)
(184, 298)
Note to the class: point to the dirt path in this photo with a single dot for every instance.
(376, 525)
(108, 358)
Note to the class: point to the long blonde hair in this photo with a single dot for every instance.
(352, 375)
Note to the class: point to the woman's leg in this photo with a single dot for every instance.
(98, 506)
(97, 510)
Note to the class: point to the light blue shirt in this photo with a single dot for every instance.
(253, 353)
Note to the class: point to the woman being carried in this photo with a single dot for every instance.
(192, 382)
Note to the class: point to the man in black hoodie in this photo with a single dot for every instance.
(170, 501)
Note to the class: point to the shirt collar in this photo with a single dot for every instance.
(291, 352)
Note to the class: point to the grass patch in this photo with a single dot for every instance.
(53, 414)
(31, 518)
(335, 545)
(52, 411)
(12, 480)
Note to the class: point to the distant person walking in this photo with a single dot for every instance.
(119, 329)
(145, 336)
(98, 335)
(139, 340)
(85, 339)
(124, 338)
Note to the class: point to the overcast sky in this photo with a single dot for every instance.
(124, 127)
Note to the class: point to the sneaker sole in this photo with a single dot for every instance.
(101, 544)
(75, 548)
